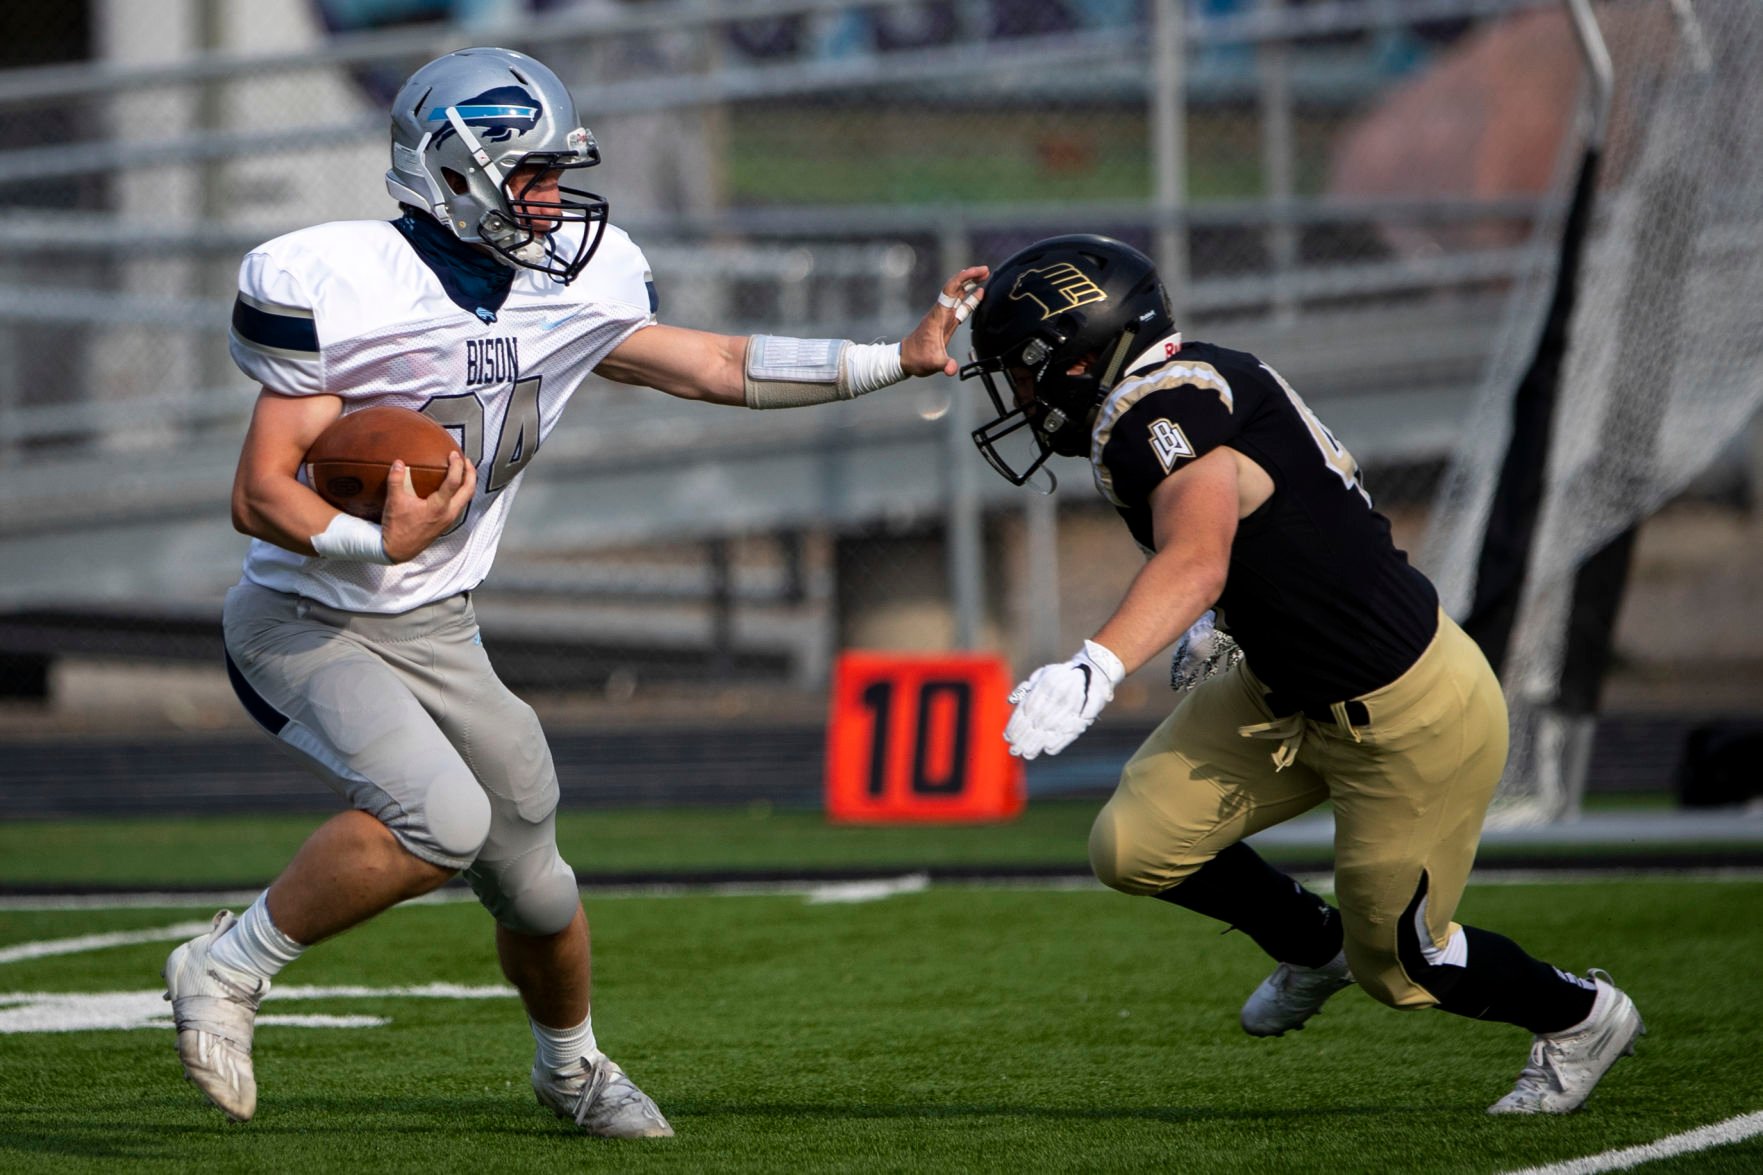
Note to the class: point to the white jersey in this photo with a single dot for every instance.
(351, 309)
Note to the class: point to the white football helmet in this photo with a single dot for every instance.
(463, 124)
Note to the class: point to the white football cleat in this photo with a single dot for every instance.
(1293, 994)
(1565, 1067)
(215, 1009)
(600, 1097)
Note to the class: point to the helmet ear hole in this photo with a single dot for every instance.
(458, 183)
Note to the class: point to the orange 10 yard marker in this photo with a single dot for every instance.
(919, 738)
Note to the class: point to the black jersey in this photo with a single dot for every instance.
(1324, 604)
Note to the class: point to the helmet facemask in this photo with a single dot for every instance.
(1060, 321)
(527, 230)
(1042, 393)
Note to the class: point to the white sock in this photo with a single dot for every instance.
(255, 946)
(559, 1048)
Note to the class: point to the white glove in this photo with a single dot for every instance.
(1058, 702)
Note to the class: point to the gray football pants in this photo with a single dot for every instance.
(404, 717)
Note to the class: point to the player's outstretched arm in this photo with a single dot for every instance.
(774, 371)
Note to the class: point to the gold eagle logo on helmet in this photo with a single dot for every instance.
(1057, 288)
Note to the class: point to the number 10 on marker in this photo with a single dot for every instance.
(919, 738)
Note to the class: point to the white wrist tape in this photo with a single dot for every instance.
(352, 540)
(868, 366)
(782, 372)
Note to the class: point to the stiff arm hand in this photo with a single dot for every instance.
(1058, 702)
(926, 350)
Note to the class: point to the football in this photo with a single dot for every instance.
(348, 463)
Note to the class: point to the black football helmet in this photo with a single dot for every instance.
(1047, 309)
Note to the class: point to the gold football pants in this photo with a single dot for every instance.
(1409, 788)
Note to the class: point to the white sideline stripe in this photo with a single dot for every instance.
(850, 892)
(219, 899)
(1321, 883)
(92, 1011)
(430, 991)
(1720, 1134)
(97, 942)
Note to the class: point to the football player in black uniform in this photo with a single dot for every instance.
(1354, 687)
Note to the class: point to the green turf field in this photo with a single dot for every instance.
(954, 1029)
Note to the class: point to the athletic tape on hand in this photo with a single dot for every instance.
(962, 306)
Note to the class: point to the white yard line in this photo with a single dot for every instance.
(98, 942)
(851, 892)
(1720, 1134)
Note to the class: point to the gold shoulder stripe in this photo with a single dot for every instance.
(1129, 392)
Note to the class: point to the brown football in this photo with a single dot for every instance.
(348, 463)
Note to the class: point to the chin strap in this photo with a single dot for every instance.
(1123, 350)
(471, 143)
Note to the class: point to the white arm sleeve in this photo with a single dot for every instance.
(783, 372)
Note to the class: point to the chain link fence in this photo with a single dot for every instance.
(1346, 188)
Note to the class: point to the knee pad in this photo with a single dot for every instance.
(1106, 853)
(1124, 862)
(450, 827)
(533, 894)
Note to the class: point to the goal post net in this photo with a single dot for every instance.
(1660, 370)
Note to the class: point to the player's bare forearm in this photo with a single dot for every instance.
(1194, 520)
(1164, 600)
(279, 510)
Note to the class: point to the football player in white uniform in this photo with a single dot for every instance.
(498, 289)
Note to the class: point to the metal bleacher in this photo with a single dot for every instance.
(114, 532)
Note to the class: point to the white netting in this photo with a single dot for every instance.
(1665, 360)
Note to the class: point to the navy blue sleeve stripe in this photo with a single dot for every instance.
(284, 332)
(654, 300)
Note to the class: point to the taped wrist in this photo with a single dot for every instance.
(351, 540)
(783, 372)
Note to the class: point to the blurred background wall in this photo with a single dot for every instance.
(1363, 192)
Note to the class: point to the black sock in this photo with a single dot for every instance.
(1501, 982)
(1498, 981)
(1285, 919)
